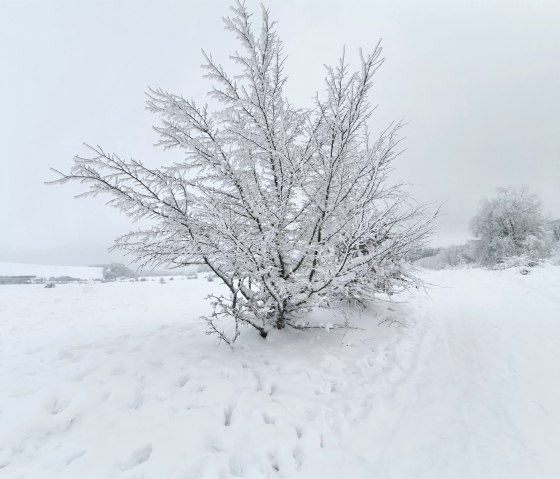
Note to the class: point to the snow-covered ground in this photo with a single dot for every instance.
(50, 271)
(118, 380)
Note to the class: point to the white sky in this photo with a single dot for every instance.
(477, 81)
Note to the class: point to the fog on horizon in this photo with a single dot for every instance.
(476, 82)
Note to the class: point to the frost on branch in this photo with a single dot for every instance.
(291, 208)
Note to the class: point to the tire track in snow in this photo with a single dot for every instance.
(443, 333)
(495, 405)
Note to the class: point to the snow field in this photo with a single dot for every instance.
(120, 381)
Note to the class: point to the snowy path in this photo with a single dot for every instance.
(121, 382)
(485, 402)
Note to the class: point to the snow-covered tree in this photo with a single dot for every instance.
(554, 227)
(290, 207)
(115, 271)
(511, 224)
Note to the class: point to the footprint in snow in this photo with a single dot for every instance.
(199, 388)
(273, 462)
(5, 457)
(184, 379)
(56, 405)
(32, 351)
(74, 456)
(259, 385)
(139, 456)
(228, 412)
(69, 354)
(298, 457)
(138, 400)
(268, 419)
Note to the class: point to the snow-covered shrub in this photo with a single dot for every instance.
(291, 208)
(115, 271)
(422, 252)
(430, 262)
(555, 227)
(555, 254)
(458, 255)
(537, 248)
(449, 257)
(509, 225)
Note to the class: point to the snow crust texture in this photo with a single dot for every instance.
(119, 380)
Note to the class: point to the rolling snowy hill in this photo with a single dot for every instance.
(50, 271)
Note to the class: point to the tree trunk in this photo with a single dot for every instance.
(280, 320)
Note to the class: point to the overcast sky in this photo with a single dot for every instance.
(478, 83)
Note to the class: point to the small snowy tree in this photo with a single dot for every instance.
(511, 224)
(115, 271)
(555, 230)
(290, 207)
